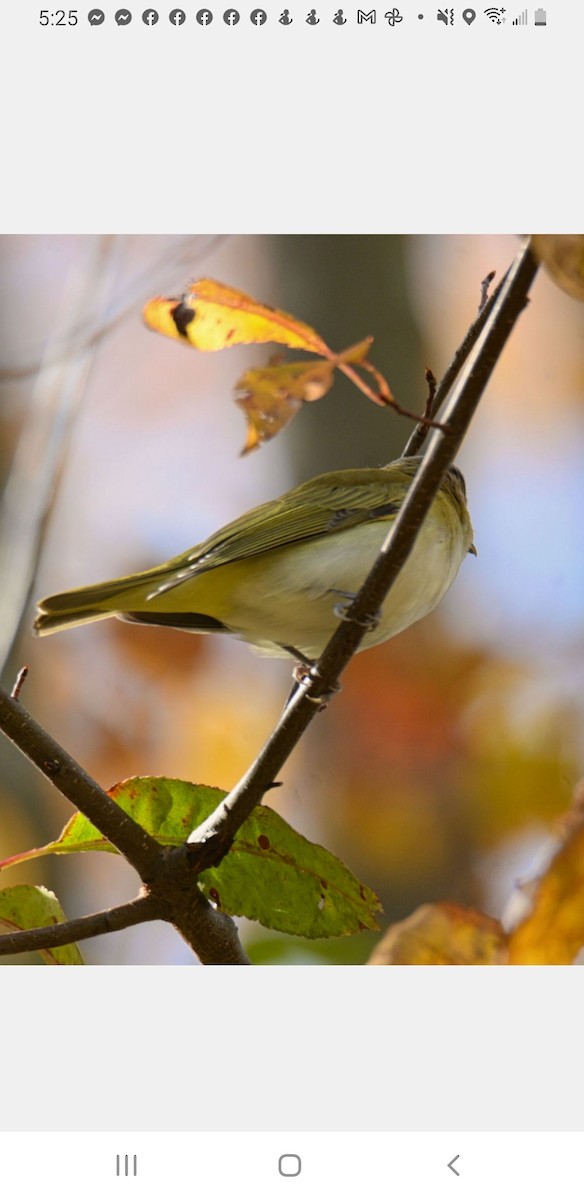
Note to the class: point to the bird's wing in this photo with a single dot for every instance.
(301, 515)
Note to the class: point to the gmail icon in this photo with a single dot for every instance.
(362, 17)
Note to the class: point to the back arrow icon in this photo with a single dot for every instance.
(451, 1168)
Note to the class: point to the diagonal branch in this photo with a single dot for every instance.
(110, 920)
(213, 838)
(138, 847)
(172, 893)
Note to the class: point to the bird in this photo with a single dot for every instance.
(282, 575)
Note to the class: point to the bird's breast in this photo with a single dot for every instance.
(288, 596)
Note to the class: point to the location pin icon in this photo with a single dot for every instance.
(469, 15)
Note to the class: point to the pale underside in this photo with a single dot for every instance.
(291, 598)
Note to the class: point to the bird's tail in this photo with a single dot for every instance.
(93, 603)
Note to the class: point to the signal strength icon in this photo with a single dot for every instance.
(521, 19)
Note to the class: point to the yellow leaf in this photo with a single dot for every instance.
(442, 935)
(213, 316)
(554, 930)
(563, 256)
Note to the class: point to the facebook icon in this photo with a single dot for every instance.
(150, 16)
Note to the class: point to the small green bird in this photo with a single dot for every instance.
(280, 575)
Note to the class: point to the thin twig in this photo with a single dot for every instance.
(418, 437)
(432, 385)
(485, 285)
(383, 396)
(110, 920)
(18, 683)
(212, 839)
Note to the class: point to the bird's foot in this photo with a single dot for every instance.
(306, 669)
(341, 612)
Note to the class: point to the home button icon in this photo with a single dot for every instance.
(289, 1164)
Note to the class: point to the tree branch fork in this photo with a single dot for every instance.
(169, 876)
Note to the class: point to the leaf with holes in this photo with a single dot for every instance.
(277, 877)
(271, 396)
(271, 874)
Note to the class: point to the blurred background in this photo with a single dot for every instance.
(441, 769)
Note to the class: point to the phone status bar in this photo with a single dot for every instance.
(391, 17)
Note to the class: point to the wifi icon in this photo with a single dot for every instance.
(496, 15)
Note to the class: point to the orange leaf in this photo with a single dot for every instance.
(554, 930)
(442, 935)
(271, 396)
(213, 316)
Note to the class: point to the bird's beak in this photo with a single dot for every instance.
(473, 549)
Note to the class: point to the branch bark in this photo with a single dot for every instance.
(138, 847)
(170, 893)
(110, 920)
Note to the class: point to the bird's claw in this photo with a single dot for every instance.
(341, 611)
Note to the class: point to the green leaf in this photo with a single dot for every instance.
(272, 874)
(28, 907)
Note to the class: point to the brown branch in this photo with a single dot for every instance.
(110, 920)
(209, 931)
(213, 838)
(138, 847)
(172, 891)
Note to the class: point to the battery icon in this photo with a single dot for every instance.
(540, 17)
